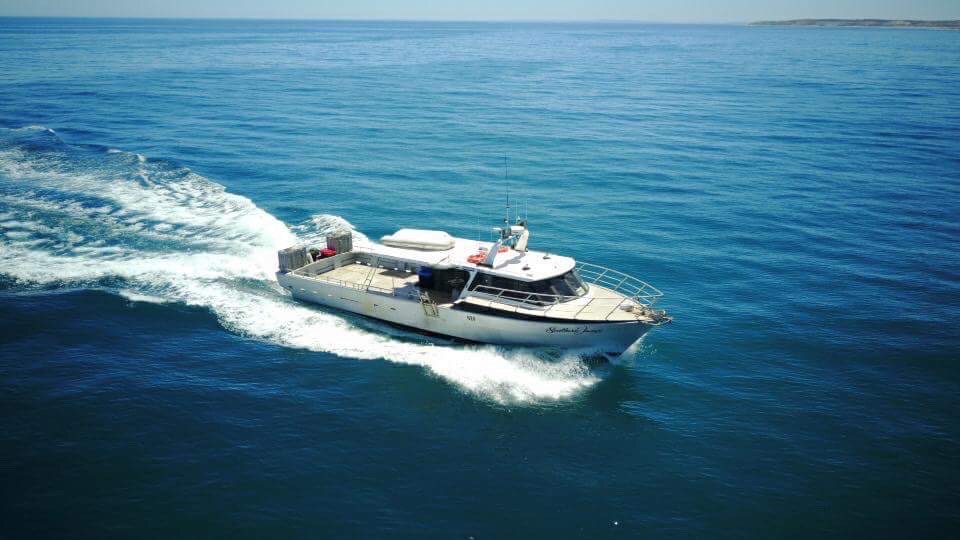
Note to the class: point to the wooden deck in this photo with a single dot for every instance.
(380, 280)
(383, 280)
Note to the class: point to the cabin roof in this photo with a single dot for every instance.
(526, 266)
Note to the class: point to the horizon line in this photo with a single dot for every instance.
(731, 22)
(376, 19)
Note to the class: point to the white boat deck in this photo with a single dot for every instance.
(601, 304)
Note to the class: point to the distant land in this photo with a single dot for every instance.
(892, 23)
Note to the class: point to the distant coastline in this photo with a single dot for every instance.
(884, 23)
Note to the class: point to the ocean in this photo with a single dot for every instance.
(794, 192)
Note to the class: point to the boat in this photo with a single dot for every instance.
(498, 292)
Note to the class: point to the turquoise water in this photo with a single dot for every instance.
(793, 191)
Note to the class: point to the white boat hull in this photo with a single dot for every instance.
(607, 337)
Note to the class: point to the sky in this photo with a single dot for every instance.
(636, 10)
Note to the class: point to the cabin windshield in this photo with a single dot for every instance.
(568, 284)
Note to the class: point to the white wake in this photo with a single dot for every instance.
(155, 232)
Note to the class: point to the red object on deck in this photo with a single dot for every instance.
(477, 258)
(327, 252)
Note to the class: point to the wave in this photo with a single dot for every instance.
(153, 231)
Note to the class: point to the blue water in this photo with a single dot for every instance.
(795, 192)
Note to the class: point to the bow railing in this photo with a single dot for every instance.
(637, 290)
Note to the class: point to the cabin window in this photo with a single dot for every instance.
(568, 284)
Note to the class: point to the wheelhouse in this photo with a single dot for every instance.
(566, 286)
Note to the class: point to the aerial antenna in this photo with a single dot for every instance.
(519, 202)
(506, 185)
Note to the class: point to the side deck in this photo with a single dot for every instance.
(377, 275)
(365, 272)
(600, 304)
(385, 280)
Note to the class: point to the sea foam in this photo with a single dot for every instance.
(76, 217)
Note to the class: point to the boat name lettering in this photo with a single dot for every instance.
(573, 330)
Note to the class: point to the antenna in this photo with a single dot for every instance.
(506, 186)
(519, 202)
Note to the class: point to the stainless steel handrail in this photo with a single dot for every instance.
(551, 305)
(354, 285)
(525, 297)
(638, 290)
(634, 293)
(630, 287)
